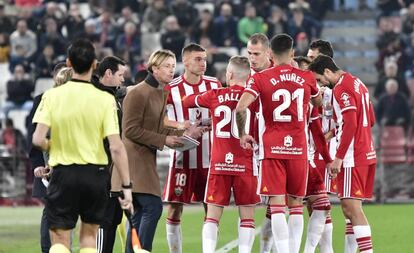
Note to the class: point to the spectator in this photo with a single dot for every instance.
(127, 16)
(89, 32)
(211, 56)
(105, 27)
(154, 15)
(52, 37)
(301, 23)
(52, 11)
(13, 138)
(203, 27)
(74, 21)
(276, 22)
(23, 38)
(32, 22)
(225, 28)
(6, 24)
(393, 108)
(128, 43)
(19, 92)
(391, 71)
(393, 51)
(4, 48)
(408, 20)
(250, 24)
(302, 43)
(46, 62)
(173, 38)
(185, 13)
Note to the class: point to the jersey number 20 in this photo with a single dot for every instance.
(229, 116)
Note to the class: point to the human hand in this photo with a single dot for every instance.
(42, 171)
(173, 142)
(196, 131)
(335, 167)
(126, 200)
(247, 142)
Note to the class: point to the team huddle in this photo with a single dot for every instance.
(285, 131)
(298, 141)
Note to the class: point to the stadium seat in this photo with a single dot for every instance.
(150, 42)
(243, 52)
(42, 85)
(393, 145)
(230, 51)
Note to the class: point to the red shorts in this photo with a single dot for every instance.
(356, 182)
(316, 184)
(185, 185)
(219, 187)
(281, 177)
(330, 183)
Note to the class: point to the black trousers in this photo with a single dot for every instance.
(107, 231)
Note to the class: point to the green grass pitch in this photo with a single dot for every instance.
(392, 227)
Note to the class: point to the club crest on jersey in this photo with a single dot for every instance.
(288, 141)
(229, 158)
(345, 99)
(178, 191)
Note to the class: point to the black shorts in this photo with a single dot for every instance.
(113, 213)
(77, 190)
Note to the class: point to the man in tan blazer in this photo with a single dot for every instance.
(144, 133)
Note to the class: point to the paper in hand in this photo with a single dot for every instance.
(189, 143)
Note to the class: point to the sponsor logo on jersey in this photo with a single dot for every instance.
(229, 158)
(288, 141)
(265, 189)
(358, 193)
(210, 198)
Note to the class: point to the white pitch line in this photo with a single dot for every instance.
(233, 244)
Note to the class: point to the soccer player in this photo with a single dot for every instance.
(355, 158)
(188, 170)
(78, 185)
(316, 197)
(231, 166)
(258, 50)
(316, 48)
(285, 93)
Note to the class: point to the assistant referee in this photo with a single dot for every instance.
(79, 117)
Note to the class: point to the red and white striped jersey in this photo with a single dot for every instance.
(350, 94)
(180, 88)
(328, 123)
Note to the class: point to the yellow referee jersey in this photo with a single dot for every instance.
(80, 116)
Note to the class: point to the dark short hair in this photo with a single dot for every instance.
(323, 46)
(281, 44)
(193, 47)
(302, 59)
(109, 62)
(321, 63)
(81, 54)
(259, 38)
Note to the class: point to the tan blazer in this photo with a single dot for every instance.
(143, 134)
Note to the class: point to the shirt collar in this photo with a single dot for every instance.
(150, 79)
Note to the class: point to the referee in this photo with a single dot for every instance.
(79, 117)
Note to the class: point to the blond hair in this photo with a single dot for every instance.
(240, 66)
(158, 57)
(64, 75)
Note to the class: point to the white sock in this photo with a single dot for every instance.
(280, 228)
(325, 243)
(266, 237)
(351, 245)
(315, 229)
(246, 235)
(210, 230)
(295, 224)
(174, 235)
(363, 238)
